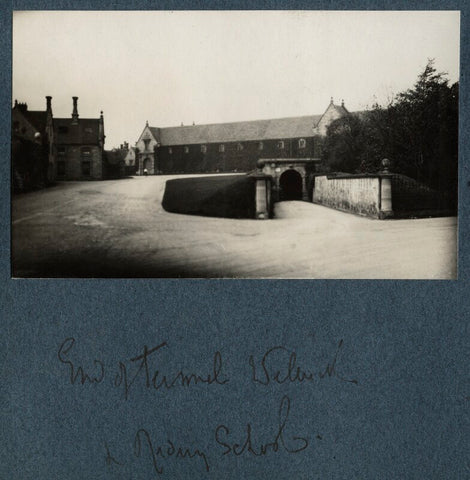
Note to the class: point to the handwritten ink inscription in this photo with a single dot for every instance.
(156, 455)
(276, 366)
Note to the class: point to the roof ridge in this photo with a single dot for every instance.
(238, 121)
(80, 118)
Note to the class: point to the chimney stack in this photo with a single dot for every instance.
(48, 103)
(75, 111)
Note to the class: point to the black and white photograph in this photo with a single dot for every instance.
(235, 144)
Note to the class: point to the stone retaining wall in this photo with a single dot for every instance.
(359, 195)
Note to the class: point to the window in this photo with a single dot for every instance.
(63, 129)
(302, 143)
(280, 144)
(86, 168)
(146, 143)
(61, 150)
(222, 148)
(239, 147)
(186, 149)
(260, 146)
(16, 126)
(170, 150)
(88, 130)
(86, 151)
(203, 148)
(61, 168)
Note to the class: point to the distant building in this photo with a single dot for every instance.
(130, 158)
(231, 147)
(114, 162)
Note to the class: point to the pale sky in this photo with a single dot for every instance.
(221, 66)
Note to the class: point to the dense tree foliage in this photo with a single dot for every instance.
(417, 131)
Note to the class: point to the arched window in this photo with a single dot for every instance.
(170, 150)
(260, 146)
(239, 147)
(186, 149)
(280, 144)
(222, 148)
(302, 143)
(203, 148)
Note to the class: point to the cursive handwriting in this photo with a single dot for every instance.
(78, 373)
(279, 365)
(169, 449)
(156, 380)
(294, 445)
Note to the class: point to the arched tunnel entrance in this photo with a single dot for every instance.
(290, 184)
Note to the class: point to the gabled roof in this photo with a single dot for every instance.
(87, 130)
(293, 127)
(339, 109)
(37, 118)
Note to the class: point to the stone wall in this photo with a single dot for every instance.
(359, 195)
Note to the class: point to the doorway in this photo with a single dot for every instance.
(290, 185)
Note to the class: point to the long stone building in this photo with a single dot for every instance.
(231, 147)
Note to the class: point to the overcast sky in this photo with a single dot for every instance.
(210, 67)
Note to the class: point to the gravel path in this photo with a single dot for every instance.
(119, 229)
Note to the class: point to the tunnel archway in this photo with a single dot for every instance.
(290, 184)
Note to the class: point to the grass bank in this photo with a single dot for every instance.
(229, 196)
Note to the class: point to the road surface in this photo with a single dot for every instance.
(118, 229)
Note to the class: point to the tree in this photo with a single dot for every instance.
(343, 144)
(417, 130)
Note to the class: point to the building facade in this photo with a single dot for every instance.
(73, 147)
(79, 147)
(231, 147)
(33, 136)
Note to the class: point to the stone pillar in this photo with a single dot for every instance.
(304, 188)
(262, 196)
(386, 207)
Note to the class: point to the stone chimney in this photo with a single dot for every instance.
(48, 103)
(102, 136)
(75, 110)
(21, 106)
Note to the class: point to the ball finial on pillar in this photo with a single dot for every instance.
(386, 165)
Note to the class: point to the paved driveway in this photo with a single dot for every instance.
(119, 229)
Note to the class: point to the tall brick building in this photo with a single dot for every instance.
(231, 147)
